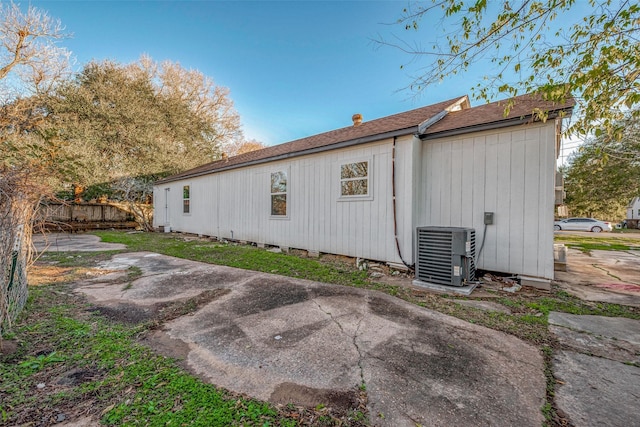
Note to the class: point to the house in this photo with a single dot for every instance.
(633, 213)
(362, 190)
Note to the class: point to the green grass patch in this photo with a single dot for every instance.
(587, 244)
(566, 303)
(240, 256)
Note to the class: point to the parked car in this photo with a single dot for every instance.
(582, 224)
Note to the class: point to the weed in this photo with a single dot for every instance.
(134, 272)
(34, 364)
(357, 416)
(548, 410)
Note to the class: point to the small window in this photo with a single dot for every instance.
(279, 193)
(354, 179)
(186, 199)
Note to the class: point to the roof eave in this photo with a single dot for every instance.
(495, 125)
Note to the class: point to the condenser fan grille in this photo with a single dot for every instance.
(445, 255)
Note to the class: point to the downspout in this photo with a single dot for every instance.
(393, 192)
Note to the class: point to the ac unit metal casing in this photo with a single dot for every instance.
(445, 255)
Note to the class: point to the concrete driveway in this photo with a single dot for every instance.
(285, 340)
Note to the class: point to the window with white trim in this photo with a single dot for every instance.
(354, 179)
(279, 193)
(186, 199)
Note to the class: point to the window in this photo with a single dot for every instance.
(186, 199)
(279, 193)
(354, 179)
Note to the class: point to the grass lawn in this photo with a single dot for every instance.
(614, 242)
(72, 361)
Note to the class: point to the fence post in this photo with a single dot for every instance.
(14, 255)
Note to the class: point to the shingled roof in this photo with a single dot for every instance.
(460, 118)
(492, 115)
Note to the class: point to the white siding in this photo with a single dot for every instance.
(509, 172)
(235, 204)
(633, 211)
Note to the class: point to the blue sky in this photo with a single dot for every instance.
(294, 68)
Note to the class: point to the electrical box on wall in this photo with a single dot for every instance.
(488, 218)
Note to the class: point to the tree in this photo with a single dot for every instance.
(28, 50)
(241, 146)
(595, 58)
(604, 175)
(30, 65)
(140, 119)
(136, 193)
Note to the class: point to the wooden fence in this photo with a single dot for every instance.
(85, 216)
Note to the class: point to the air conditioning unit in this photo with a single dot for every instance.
(446, 255)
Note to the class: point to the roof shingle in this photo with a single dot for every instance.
(523, 106)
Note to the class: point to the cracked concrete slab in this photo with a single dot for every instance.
(602, 276)
(595, 391)
(288, 340)
(618, 328)
(598, 383)
(614, 338)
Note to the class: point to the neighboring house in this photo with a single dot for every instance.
(362, 190)
(633, 213)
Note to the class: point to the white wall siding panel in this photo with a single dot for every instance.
(405, 200)
(509, 172)
(456, 206)
(488, 257)
(237, 203)
(516, 199)
(467, 191)
(547, 200)
(533, 155)
(503, 200)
